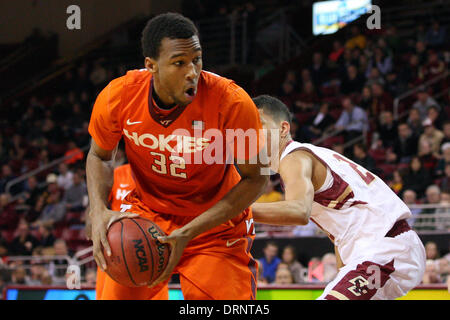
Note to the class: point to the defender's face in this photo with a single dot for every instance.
(177, 70)
(272, 134)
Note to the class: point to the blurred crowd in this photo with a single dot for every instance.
(286, 268)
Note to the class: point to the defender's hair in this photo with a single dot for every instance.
(274, 107)
(167, 25)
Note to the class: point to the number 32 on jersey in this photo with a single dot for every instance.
(172, 165)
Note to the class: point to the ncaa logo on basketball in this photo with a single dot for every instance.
(140, 254)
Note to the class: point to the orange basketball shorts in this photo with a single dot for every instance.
(215, 265)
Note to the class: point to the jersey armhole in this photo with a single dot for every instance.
(328, 183)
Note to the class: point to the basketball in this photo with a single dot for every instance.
(137, 258)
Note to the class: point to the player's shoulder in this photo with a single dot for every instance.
(136, 77)
(225, 90)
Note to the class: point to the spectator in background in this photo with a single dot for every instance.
(382, 61)
(307, 99)
(415, 122)
(436, 35)
(361, 157)
(283, 276)
(446, 131)
(393, 85)
(434, 115)
(405, 144)
(431, 250)
(445, 181)
(270, 261)
(336, 54)
(381, 100)
(397, 182)
(318, 124)
(19, 275)
(24, 243)
(65, 177)
(58, 266)
(32, 191)
(357, 39)
(387, 128)
(365, 101)
(54, 211)
(7, 176)
(8, 215)
(261, 279)
(410, 199)
(47, 239)
(329, 267)
(374, 76)
(421, 52)
(433, 136)
(431, 275)
(353, 120)
(318, 69)
(36, 271)
(353, 81)
(75, 153)
(315, 270)
(428, 158)
(289, 257)
(90, 277)
(416, 178)
(433, 68)
(287, 94)
(3, 249)
(423, 102)
(73, 198)
(410, 74)
(433, 197)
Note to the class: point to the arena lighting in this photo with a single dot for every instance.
(330, 16)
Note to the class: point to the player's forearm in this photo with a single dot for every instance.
(235, 201)
(99, 176)
(288, 212)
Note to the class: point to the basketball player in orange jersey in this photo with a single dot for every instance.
(203, 207)
(124, 184)
(380, 256)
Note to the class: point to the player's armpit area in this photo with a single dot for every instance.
(296, 171)
(102, 154)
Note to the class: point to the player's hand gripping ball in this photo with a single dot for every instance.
(137, 258)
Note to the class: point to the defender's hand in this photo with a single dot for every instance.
(177, 240)
(101, 221)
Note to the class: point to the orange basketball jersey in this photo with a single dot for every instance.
(178, 156)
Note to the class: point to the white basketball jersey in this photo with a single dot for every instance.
(353, 205)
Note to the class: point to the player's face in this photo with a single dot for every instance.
(177, 70)
(271, 133)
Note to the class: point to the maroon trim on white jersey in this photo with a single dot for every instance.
(354, 285)
(338, 194)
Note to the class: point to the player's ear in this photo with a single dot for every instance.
(285, 129)
(150, 65)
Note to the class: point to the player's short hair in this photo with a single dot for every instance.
(167, 25)
(274, 107)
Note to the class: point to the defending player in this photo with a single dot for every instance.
(204, 207)
(382, 257)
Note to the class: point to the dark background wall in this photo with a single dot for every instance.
(19, 17)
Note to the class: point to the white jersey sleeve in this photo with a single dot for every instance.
(353, 204)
